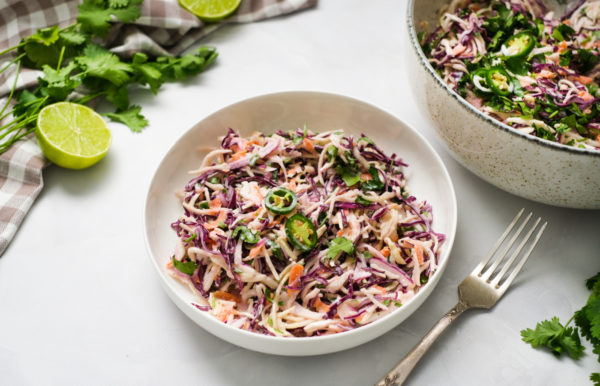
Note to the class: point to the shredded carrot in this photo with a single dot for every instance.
(562, 46)
(586, 96)
(292, 185)
(215, 203)
(366, 177)
(320, 306)
(459, 49)
(308, 145)
(406, 244)
(340, 233)
(380, 288)
(360, 317)
(238, 155)
(220, 218)
(294, 278)
(255, 251)
(385, 252)
(567, 22)
(547, 74)
(226, 296)
(419, 250)
(584, 79)
(260, 195)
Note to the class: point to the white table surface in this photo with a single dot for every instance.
(80, 303)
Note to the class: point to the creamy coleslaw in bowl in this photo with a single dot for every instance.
(299, 233)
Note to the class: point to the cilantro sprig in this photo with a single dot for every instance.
(339, 245)
(76, 68)
(561, 339)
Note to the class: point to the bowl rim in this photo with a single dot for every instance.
(470, 108)
(423, 292)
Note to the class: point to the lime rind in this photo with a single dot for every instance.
(72, 136)
(210, 10)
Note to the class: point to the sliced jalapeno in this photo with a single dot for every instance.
(281, 201)
(499, 81)
(301, 232)
(479, 79)
(519, 45)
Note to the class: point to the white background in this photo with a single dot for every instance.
(81, 304)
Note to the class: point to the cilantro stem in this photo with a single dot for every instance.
(17, 126)
(85, 99)
(13, 48)
(17, 59)
(12, 90)
(562, 330)
(60, 58)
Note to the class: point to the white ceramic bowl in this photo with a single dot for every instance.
(426, 174)
(521, 164)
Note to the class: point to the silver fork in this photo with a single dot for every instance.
(481, 289)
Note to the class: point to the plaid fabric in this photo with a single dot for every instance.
(164, 28)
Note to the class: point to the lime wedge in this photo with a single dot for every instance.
(72, 135)
(210, 10)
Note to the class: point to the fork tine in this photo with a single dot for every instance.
(512, 258)
(479, 268)
(490, 270)
(517, 269)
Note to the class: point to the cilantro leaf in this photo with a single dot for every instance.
(374, 183)
(349, 174)
(584, 60)
(554, 336)
(95, 15)
(184, 267)
(101, 63)
(562, 32)
(118, 97)
(72, 37)
(45, 36)
(59, 84)
(591, 282)
(148, 74)
(246, 234)
(175, 68)
(130, 117)
(339, 245)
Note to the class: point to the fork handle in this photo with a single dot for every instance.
(397, 375)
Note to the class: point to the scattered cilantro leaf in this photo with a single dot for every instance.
(339, 245)
(245, 234)
(558, 338)
(184, 267)
(349, 174)
(131, 118)
(375, 182)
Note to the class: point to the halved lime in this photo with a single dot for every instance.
(211, 10)
(72, 135)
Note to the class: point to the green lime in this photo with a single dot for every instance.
(72, 135)
(211, 10)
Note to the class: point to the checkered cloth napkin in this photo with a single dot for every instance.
(164, 28)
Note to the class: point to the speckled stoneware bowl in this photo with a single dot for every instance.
(521, 164)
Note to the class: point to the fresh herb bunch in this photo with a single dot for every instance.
(77, 69)
(558, 338)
